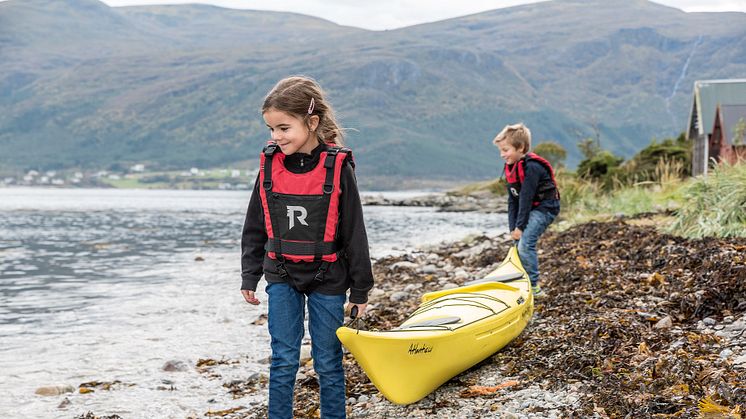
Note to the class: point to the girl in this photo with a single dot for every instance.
(304, 231)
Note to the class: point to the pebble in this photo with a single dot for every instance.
(54, 390)
(375, 293)
(664, 323)
(412, 287)
(740, 362)
(305, 354)
(399, 296)
(429, 269)
(404, 265)
(709, 321)
(175, 366)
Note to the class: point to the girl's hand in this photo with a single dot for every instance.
(249, 297)
(360, 308)
(516, 234)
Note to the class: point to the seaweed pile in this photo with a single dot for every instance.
(627, 319)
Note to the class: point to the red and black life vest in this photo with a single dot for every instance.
(301, 211)
(515, 173)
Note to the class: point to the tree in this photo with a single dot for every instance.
(589, 147)
(552, 151)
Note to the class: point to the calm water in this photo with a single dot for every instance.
(107, 285)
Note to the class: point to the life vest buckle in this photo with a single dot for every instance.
(267, 184)
(322, 271)
(270, 149)
(282, 270)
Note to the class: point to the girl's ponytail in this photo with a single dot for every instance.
(303, 97)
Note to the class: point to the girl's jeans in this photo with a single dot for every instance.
(325, 315)
(538, 221)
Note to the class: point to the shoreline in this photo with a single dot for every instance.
(631, 320)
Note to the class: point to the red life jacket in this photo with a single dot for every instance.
(301, 211)
(515, 174)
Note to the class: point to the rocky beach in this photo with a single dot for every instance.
(636, 323)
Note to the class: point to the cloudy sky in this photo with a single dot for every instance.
(391, 14)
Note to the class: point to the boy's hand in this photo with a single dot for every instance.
(250, 297)
(516, 234)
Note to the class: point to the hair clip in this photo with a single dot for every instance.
(311, 106)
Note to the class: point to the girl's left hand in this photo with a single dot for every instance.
(360, 308)
(250, 297)
(516, 234)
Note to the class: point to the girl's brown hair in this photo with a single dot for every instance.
(302, 97)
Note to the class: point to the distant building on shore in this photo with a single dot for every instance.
(716, 123)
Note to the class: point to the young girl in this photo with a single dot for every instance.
(304, 231)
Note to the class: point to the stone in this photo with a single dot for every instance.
(664, 323)
(399, 296)
(375, 293)
(175, 366)
(429, 269)
(404, 265)
(412, 287)
(740, 362)
(305, 354)
(54, 390)
(709, 321)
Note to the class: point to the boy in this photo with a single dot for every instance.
(533, 197)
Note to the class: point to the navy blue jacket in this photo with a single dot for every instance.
(519, 207)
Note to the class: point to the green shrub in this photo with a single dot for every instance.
(715, 205)
(601, 167)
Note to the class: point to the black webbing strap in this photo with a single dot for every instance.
(269, 152)
(299, 248)
(329, 164)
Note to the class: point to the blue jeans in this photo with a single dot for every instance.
(538, 221)
(325, 315)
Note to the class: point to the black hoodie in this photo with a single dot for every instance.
(352, 269)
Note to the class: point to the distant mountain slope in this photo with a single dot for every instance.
(82, 84)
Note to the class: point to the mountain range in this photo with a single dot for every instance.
(86, 85)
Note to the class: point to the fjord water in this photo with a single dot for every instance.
(111, 284)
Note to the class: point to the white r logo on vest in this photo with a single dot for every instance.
(302, 214)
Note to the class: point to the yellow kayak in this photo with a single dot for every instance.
(449, 332)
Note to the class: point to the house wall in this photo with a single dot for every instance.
(699, 155)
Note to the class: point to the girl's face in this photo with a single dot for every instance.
(291, 133)
(509, 153)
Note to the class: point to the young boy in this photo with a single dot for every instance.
(533, 197)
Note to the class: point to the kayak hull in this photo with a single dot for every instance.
(450, 331)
